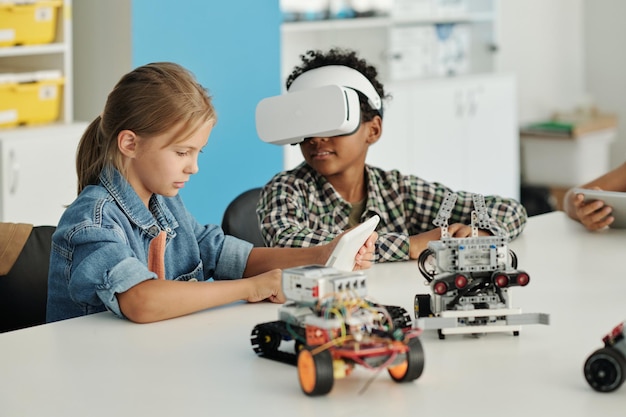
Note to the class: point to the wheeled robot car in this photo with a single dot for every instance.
(605, 368)
(470, 279)
(327, 327)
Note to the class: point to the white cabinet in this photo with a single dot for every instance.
(37, 161)
(459, 131)
(38, 172)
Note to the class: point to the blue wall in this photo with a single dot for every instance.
(233, 48)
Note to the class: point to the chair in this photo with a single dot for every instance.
(24, 289)
(240, 219)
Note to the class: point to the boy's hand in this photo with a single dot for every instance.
(463, 230)
(418, 243)
(365, 256)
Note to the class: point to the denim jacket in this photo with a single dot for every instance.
(100, 248)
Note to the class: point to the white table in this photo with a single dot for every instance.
(203, 364)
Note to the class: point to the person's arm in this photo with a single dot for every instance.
(284, 219)
(420, 242)
(614, 180)
(264, 259)
(595, 215)
(156, 299)
(284, 215)
(508, 214)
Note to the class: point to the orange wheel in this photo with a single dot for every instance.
(413, 365)
(398, 372)
(315, 372)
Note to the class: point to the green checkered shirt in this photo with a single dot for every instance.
(300, 208)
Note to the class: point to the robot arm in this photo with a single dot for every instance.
(443, 215)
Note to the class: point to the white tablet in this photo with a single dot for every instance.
(615, 199)
(348, 246)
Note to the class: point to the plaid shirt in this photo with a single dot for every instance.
(300, 208)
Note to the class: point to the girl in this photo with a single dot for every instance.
(127, 243)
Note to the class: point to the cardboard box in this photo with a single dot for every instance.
(28, 22)
(30, 98)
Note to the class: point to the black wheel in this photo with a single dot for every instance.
(264, 340)
(315, 372)
(604, 369)
(440, 334)
(515, 332)
(401, 319)
(412, 367)
(422, 306)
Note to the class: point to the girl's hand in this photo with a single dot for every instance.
(266, 286)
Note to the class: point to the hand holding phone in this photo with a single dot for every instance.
(615, 199)
(348, 246)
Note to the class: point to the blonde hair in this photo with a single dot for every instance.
(149, 101)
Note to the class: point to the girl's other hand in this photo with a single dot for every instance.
(266, 286)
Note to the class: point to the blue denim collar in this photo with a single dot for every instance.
(158, 217)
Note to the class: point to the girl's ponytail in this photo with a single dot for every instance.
(91, 155)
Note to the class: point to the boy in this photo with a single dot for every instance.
(335, 189)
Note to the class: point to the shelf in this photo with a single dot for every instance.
(461, 18)
(51, 48)
(382, 22)
(334, 24)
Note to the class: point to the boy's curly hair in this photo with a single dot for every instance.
(339, 56)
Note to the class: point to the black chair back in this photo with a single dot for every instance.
(240, 219)
(24, 290)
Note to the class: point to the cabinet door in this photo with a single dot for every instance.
(38, 173)
(438, 139)
(392, 149)
(493, 137)
(461, 132)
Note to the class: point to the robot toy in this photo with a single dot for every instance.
(605, 368)
(470, 279)
(327, 327)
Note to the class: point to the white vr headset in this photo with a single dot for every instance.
(322, 102)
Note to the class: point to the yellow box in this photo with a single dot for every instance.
(30, 98)
(28, 22)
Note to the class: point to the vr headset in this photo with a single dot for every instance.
(322, 102)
